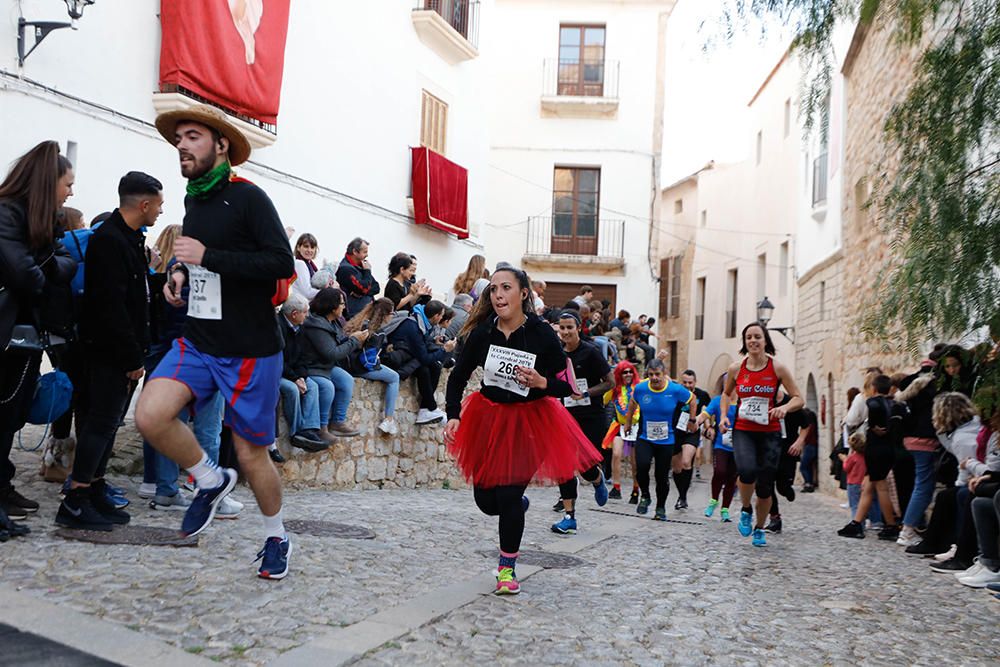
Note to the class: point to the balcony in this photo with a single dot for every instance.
(172, 97)
(449, 27)
(576, 88)
(820, 172)
(603, 249)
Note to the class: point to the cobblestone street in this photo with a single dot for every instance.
(644, 593)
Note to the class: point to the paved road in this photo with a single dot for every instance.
(646, 593)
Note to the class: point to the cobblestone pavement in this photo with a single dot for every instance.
(655, 593)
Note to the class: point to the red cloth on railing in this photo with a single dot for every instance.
(440, 193)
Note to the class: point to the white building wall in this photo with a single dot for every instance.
(526, 144)
(350, 109)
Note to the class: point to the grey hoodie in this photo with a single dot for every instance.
(961, 443)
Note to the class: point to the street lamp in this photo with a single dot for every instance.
(42, 28)
(765, 309)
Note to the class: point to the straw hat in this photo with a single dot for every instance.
(239, 146)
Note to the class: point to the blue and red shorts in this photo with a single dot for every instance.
(249, 386)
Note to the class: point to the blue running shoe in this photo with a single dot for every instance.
(643, 506)
(274, 558)
(660, 514)
(565, 527)
(115, 490)
(746, 525)
(118, 500)
(525, 503)
(601, 491)
(993, 587)
(758, 538)
(202, 510)
(712, 504)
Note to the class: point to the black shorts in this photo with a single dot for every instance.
(879, 457)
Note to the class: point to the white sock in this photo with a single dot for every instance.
(274, 526)
(206, 474)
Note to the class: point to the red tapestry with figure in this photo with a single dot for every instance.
(440, 193)
(231, 52)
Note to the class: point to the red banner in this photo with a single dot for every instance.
(440, 193)
(231, 52)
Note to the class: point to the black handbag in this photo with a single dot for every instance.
(26, 338)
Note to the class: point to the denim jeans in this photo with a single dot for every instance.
(335, 394)
(807, 466)
(854, 497)
(603, 343)
(923, 489)
(391, 380)
(207, 427)
(301, 410)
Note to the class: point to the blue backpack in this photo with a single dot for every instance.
(76, 243)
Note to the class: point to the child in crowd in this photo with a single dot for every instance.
(856, 470)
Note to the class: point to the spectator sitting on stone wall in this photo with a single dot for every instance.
(368, 364)
(411, 341)
(299, 392)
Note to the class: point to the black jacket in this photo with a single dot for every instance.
(325, 345)
(359, 285)
(293, 367)
(25, 274)
(115, 319)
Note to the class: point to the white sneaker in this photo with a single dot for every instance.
(173, 503)
(971, 572)
(425, 416)
(229, 508)
(981, 579)
(388, 426)
(908, 537)
(947, 555)
(147, 490)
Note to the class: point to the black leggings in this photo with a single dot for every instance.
(427, 378)
(594, 428)
(784, 478)
(505, 502)
(757, 455)
(645, 453)
(567, 490)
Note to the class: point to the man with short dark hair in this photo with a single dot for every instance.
(114, 328)
(233, 252)
(585, 296)
(683, 460)
(354, 275)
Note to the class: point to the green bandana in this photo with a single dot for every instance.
(206, 184)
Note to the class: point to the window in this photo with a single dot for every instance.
(822, 301)
(760, 144)
(699, 309)
(71, 151)
(433, 123)
(788, 117)
(704, 217)
(783, 264)
(576, 196)
(581, 60)
(761, 276)
(678, 206)
(670, 286)
(732, 278)
(672, 356)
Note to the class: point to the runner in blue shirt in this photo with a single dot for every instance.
(723, 465)
(656, 398)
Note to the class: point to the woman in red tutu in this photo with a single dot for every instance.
(514, 429)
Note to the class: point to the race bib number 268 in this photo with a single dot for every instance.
(498, 371)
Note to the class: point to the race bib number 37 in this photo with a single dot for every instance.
(498, 371)
(205, 297)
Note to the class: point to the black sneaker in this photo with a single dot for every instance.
(788, 492)
(853, 529)
(100, 501)
(681, 504)
(924, 549)
(12, 498)
(13, 512)
(558, 507)
(951, 565)
(889, 533)
(634, 498)
(11, 529)
(615, 494)
(774, 525)
(697, 473)
(308, 443)
(77, 512)
(276, 455)
(808, 488)
(643, 507)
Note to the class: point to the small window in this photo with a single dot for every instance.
(760, 145)
(433, 123)
(699, 310)
(822, 301)
(732, 288)
(71, 151)
(581, 60)
(678, 206)
(783, 264)
(788, 117)
(704, 217)
(761, 276)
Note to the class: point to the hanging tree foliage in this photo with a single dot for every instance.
(941, 202)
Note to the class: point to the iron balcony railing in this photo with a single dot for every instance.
(580, 78)
(462, 15)
(820, 169)
(582, 236)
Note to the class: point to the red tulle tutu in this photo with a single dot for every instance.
(514, 443)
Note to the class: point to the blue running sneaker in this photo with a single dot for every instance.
(660, 514)
(712, 504)
(758, 538)
(746, 525)
(601, 491)
(202, 510)
(525, 503)
(565, 527)
(118, 500)
(274, 558)
(643, 506)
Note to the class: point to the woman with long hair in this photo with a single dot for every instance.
(757, 429)
(467, 279)
(372, 318)
(164, 248)
(402, 288)
(621, 435)
(32, 261)
(513, 430)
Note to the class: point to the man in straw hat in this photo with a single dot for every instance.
(232, 252)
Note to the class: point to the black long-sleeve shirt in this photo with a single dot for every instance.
(247, 246)
(535, 336)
